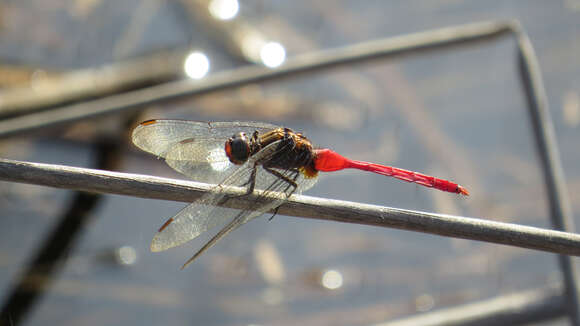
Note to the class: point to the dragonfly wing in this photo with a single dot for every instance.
(201, 216)
(235, 223)
(210, 163)
(195, 149)
(158, 136)
(277, 187)
(206, 212)
(186, 225)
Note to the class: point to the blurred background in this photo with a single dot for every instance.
(458, 113)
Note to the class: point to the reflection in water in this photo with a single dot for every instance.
(126, 255)
(331, 279)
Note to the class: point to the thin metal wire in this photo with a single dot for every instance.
(306, 63)
(520, 308)
(300, 206)
(560, 207)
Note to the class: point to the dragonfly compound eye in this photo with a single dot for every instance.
(238, 148)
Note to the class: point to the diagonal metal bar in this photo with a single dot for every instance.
(100, 181)
(560, 208)
(311, 62)
(520, 308)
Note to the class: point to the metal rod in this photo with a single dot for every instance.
(522, 308)
(100, 181)
(560, 208)
(227, 79)
(94, 82)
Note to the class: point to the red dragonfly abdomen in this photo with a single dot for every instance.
(326, 160)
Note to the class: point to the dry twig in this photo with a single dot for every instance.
(305, 63)
(135, 185)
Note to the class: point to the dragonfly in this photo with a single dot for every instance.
(252, 155)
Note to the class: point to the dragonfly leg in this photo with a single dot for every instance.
(295, 173)
(252, 180)
(251, 184)
(275, 213)
(255, 136)
(290, 182)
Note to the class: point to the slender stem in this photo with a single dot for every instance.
(300, 206)
(309, 62)
(519, 308)
(560, 208)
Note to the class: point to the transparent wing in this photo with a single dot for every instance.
(195, 149)
(158, 136)
(205, 213)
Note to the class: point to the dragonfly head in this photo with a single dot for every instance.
(238, 148)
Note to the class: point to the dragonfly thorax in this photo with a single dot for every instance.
(292, 151)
